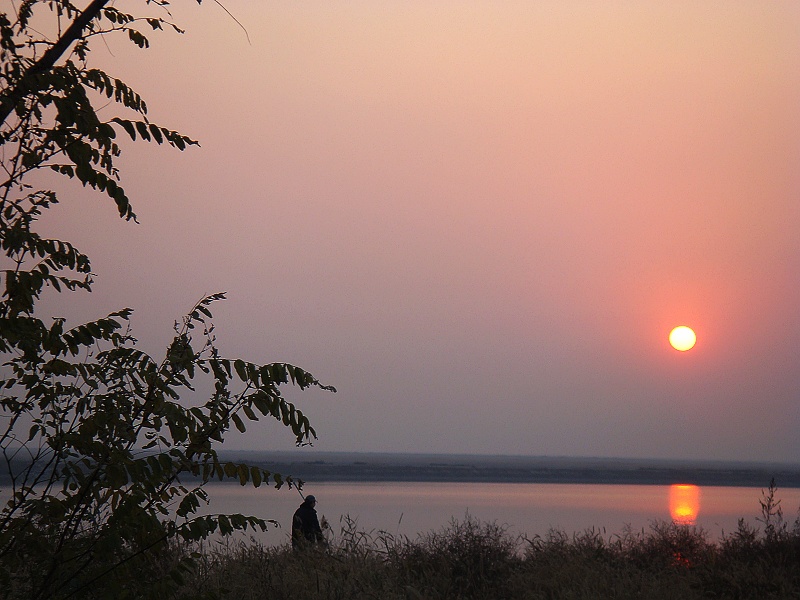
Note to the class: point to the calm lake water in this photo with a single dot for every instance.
(527, 508)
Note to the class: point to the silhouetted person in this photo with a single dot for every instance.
(305, 525)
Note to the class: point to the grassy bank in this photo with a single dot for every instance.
(474, 560)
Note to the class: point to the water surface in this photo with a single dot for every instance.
(411, 508)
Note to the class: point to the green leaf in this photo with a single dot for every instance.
(255, 474)
(138, 39)
(241, 369)
(237, 420)
(249, 412)
(143, 130)
(225, 525)
(156, 133)
(127, 126)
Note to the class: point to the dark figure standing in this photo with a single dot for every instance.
(305, 525)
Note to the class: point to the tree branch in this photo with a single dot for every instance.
(27, 82)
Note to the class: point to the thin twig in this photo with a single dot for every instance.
(222, 6)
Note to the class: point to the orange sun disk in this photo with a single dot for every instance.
(682, 338)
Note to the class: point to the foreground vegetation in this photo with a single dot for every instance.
(105, 449)
(470, 559)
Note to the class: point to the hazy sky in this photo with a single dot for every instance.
(478, 220)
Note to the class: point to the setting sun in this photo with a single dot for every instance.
(682, 338)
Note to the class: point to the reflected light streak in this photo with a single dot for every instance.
(684, 503)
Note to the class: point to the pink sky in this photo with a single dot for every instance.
(479, 220)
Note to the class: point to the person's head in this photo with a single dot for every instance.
(310, 500)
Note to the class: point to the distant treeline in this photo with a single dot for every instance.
(334, 466)
(331, 466)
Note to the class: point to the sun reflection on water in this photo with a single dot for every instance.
(684, 503)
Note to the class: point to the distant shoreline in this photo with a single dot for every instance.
(320, 467)
(386, 467)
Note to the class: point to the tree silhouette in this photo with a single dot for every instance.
(106, 450)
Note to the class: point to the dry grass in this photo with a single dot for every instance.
(469, 559)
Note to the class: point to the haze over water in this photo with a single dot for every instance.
(415, 494)
(413, 508)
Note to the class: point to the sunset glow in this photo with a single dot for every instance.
(488, 214)
(684, 503)
(682, 338)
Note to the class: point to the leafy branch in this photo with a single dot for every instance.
(107, 451)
